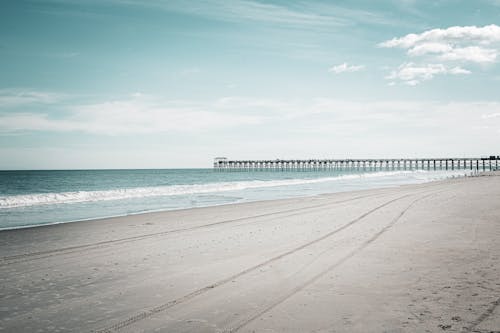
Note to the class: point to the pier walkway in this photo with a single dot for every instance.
(480, 164)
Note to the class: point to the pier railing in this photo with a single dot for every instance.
(480, 164)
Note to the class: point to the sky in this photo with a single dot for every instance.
(173, 84)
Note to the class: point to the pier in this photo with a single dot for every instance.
(489, 163)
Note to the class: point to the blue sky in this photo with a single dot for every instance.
(165, 83)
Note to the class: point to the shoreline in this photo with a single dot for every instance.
(2, 229)
(413, 258)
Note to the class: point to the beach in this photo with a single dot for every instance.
(412, 258)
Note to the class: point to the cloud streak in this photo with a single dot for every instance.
(12, 98)
(291, 14)
(345, 67)
(412, 74)
(145, 114)
(491, 115)
(254, 126)
(139, 114)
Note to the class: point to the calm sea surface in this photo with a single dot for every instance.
(30, 198)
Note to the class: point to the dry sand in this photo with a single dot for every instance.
(418, 258)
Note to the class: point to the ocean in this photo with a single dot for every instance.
(33, 198)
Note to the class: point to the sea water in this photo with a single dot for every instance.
(32, 198)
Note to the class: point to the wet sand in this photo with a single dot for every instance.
(417, 258)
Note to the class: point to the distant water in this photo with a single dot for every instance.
(29, 198)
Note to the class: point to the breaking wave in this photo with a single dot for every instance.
(172, 190)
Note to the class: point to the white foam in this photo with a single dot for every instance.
(142, 192)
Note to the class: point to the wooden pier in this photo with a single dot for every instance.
(479, 164)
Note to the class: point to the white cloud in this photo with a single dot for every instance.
(453, 35)
(474, 54)
(27, 121)
(301, 128)
(456, 46)
(401, 127)
(137, 114)
(491, 115)
(426, 48)
(345, 67)
(458, 70)
(10, 98)
(412, 74)
(245, 103)
(144, 114)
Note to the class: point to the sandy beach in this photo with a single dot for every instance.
(416, 258)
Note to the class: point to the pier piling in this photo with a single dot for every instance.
(482, 163)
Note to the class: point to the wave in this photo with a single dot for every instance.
(27, 200)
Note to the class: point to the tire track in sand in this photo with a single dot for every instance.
(328, 269)
(160, 308)
(9, 260)
(485, 315)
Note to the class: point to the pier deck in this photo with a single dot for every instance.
(480, 164)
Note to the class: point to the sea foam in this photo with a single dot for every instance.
(35, 199)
